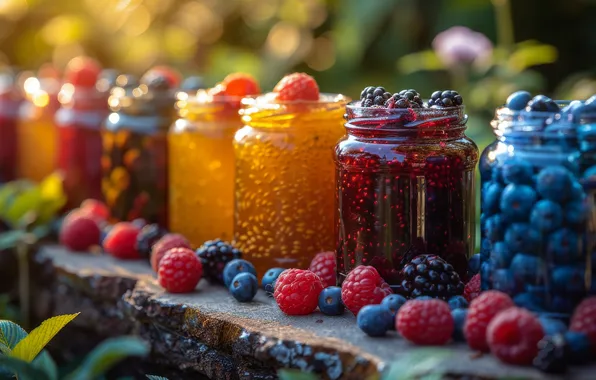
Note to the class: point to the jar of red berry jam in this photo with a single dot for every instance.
(82, 112)
(134, 158)
(405, 186)
(9, 107)
(538, 222)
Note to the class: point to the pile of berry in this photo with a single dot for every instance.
(378, 97)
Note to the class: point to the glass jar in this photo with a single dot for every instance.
(9, 106)
(285, 180)
(135, 152)
(538, 226)
(201, 168)
(405, 186)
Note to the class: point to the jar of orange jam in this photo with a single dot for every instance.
(285, 174)
(201, 160)
(37, 135)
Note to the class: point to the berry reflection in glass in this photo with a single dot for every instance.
(404, 184)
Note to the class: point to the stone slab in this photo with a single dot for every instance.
(189, 329)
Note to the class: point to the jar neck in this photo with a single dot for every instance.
(209, 109)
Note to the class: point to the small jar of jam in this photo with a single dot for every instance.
(538, 208)
(79, 119)
(405, 186)
(201, 160)
(134, 158)
(284, 189)
(10, 99)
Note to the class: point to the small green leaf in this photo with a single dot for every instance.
(44, 362)
(421, 362)
(24, 370)
(422, 61)
(10, 238)
(107, 354)
(292, 374)
(28, 348)
(531, 53)
(153, 377)
(11, 334)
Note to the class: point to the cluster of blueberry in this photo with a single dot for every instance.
(372, 96)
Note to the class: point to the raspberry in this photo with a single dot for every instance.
(363, 286)
(82, 72)
(240, 84)
(180, 270)
(584, 319)
(96, 208)
(426, 322)
(297, 86)
(297, 291)
(79, 232)
(472, 288)
(121, 241)
(513, 336)
(323, 265)
(481, 311)
(167, 242)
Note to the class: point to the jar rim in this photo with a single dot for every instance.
(356, 106)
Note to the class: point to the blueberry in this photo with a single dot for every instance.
(497, 175)
(459, 320)
(552, 326)
(546, 215)
(517, 202)
(491, 195)
(555, 183)
(268, 280)
(569, 280)
(244, 287)
(518, 100)
(485, 248)
(517, 171)
(576, 213)
(527, 269)
(520, 237)
(104, 232)
(577, 192)
(486, 274)
(424, 298)
(474, 264)
(504, 281)
(374, 320)
(539, 294)
(564, 246)
(393, 302)
(139, 222)
(457, 302)
(562, 304)
(330, 302)
(541, 103)
(501, 255)
(529, 302)
(494, 227)
(236, 267)
(579, 346)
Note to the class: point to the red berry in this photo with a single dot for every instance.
(584, 319)
(323, 265)
(297, 86)
(96, 208)
(481, 311)
(427, 322)
(180, 270)
(513, 336)
(297, 291)
(472, 288)
(363, 286)
(167, 242)
(79, 232)
(82, 72)
(240, 84)
(121, 241)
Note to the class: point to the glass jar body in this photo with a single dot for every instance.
(8, 138)
(537, 220)
(401, 193)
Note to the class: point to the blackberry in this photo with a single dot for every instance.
(447, 98)
(553, 354)
(214, 255)
(374, 96)
(148, 236)
(405, 99)
(430, 275)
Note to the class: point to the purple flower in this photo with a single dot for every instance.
(461, 45)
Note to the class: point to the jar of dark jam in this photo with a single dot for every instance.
(134, 159)
(10, 99)
(538, 218)
(404, 187)
(79, 119)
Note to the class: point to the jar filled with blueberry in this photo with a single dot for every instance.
(537, 219)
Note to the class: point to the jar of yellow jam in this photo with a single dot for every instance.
(285, 174)
(201, 160)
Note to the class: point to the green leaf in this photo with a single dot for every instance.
(53, 197)
(28, 348)
(531, 53)
(153, 377)
(24, 370)
(27, 201)
(421, 363)
(422, 61)
(107, 354)
(44, 362)
(10, 334)
(292, 374)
